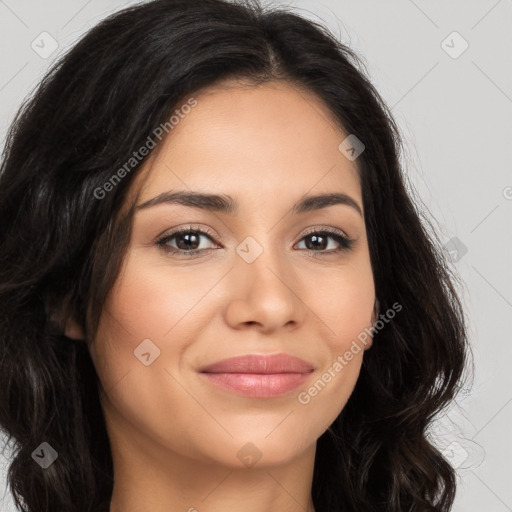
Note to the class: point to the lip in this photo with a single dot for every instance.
(258, 376)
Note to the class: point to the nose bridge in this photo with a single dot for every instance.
(263, 283)
(259, 258)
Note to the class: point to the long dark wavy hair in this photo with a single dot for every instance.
(61, 247)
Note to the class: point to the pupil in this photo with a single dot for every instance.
(188, 244)
(314, 239)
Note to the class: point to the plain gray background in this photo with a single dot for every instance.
(445, 69)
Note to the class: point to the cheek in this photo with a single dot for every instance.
(149, 302)
(347, 318)
(345, 304)
(133, 364)
(345, 309)
(149, 318)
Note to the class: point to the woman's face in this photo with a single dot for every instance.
(264, 280)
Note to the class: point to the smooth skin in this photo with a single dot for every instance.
(175, 438)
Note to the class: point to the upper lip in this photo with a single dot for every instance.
(262, 364)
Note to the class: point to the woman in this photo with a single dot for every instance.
(216, 291)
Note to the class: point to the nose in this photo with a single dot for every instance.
(264, 295)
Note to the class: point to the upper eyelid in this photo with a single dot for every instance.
(337, 231)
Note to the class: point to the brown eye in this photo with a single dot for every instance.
(187, 241)
(318, 241)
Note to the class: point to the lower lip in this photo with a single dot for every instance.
(257, 385)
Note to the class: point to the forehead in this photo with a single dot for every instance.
(247, 140)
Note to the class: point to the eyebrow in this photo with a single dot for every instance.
(226, 204)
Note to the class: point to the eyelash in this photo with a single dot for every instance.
(345, 242)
